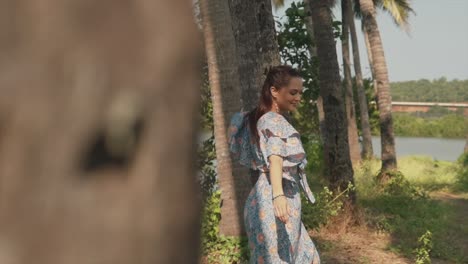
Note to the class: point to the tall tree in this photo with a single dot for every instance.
(338, 168)
(399, 10)
(309, 24)
(96, 163)
(354, 146)
(252, 49)
(226, 97)
(256, 45)
(367, 150)
(389, 161)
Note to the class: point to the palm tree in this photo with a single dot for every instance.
(71, 192)
(256, 49)
(244, 49)
(348, 86)
(399, 10)
(256, 45)
(367, 150)
(226, 97)
(338, 168)
(385, 100)
(309, 23)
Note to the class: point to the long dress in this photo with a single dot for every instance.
(271, 240)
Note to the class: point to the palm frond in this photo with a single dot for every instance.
(399, 10)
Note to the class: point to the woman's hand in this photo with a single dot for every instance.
(281, 207)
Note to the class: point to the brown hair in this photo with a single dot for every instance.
(279, 77)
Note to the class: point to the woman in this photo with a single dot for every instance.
(264, 140)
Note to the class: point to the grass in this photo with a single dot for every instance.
(407, 212)
(422, 171)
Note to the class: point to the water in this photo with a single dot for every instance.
(437, 148)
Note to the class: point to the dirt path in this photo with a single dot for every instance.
(358, 246)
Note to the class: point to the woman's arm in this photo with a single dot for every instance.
(280, 203)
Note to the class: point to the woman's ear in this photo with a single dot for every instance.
(274, 91)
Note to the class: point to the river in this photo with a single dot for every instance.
(437, 148)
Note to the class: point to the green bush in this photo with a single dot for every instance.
(424, 248)
(398, 185)
(218, 248)
(210, 221)
(318, 214)
(462, 173)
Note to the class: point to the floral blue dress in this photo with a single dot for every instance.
(270, 240)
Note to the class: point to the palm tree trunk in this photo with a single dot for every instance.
(338, 168)
(385, 100)
(319, 103)
(226, 97)
(367, 150)
(348, 87)
(71, 192)
(256, 50)
(256, 45)
(371, 64)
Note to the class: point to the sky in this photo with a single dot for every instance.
(436, 46)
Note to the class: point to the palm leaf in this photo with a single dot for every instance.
(399, 10)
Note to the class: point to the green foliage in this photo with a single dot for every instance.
(397, 185)
(206, 170)
(206, 105)
(462, 173)
(228, 250)
(218, 248)
(210, 221)
(317, 215)
(403, 209)
(448, 126)
(206, 150)
(314, 149)
(438, 90)
(424, 248)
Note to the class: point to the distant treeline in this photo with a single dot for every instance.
(438, 90)
(448, 126)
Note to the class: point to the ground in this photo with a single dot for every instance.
(359, 245)
(363, 245)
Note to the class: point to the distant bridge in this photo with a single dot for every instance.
(425, 106)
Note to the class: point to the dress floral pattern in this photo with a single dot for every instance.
(270, 240)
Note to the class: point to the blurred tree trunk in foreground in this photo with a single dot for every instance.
(97, 126)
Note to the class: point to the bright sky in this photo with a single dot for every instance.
(436, 46)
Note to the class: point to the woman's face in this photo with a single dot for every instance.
(288, 97)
